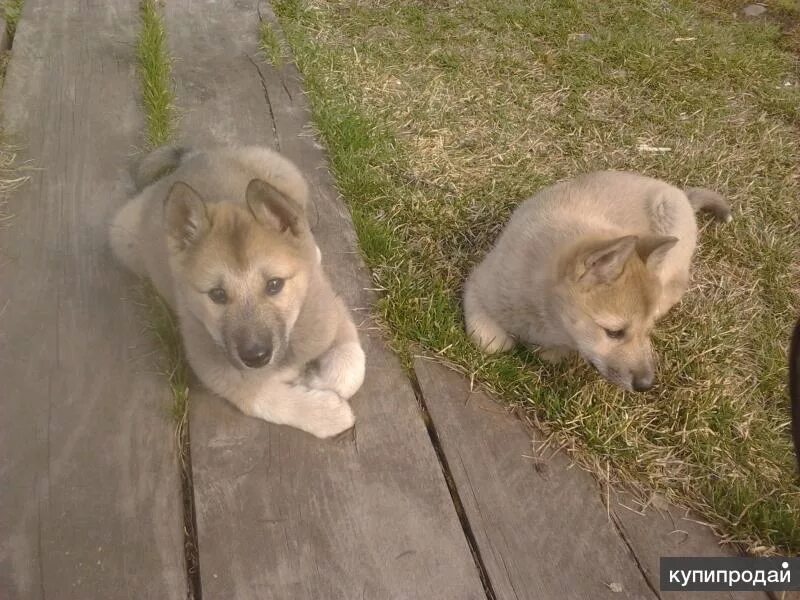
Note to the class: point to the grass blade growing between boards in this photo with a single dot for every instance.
(12, 11)
(270, 44)
(158, 99)
(155, 69)
(441, 117)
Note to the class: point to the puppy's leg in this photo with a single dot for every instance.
(672, 291)
(321, 413)
(484, 331)
(341, 368)
(275, 397)
(556, 354)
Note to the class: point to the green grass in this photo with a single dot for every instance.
(163, 324)
(440, 117)
(12, 173)
(270, 44)
(155, 68)
(12, 10)
(157, 98)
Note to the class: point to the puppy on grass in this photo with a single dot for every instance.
(223, 236)
(589, 265)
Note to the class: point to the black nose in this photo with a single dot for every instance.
(255, 356)
(643, 383)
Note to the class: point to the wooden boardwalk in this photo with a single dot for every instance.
(433, 496)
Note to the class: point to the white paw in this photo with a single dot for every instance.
(488, 336)
(324, 414)
(555, 355)
(497, 343)
(340, 370)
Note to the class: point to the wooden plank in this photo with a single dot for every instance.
(279, 513)
(540, 534)
(663, 530)
(89, 483)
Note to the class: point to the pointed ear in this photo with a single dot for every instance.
(605, 263)
(185, 215)
(273, 208)
(653, 249)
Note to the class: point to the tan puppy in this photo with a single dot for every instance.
(589, 265)
(223, 236)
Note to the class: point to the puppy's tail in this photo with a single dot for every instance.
(158, 163)
(705, 199)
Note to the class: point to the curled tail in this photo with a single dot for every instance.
(158, 163)
(705, 199)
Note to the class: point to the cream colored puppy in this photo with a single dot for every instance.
(589, 265)
(223, 236)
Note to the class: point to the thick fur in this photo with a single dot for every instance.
(589, 265)
(214, 231)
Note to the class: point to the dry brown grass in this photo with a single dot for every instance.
(12, 176)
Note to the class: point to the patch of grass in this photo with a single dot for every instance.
(157, 97)
(440, 117)
(783, 13)
(154, 68)
(11, 177)
(12, 10)
(270, 44)
(163, 324)
(11, 172)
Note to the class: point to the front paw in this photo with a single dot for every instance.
(555, 355)
(341, 370)
(324, 414)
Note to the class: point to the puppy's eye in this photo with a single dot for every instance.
(615, 334)
(218, 296)
(274, 286)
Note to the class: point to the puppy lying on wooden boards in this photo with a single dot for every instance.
(589, 265)
(223, 236)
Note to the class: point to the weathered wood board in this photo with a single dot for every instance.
(541, 533)
(90, 503)
(281, 514)
(548, 534)
(664, 530)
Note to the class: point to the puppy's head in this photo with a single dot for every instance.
(609, 296)
(243, 270)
